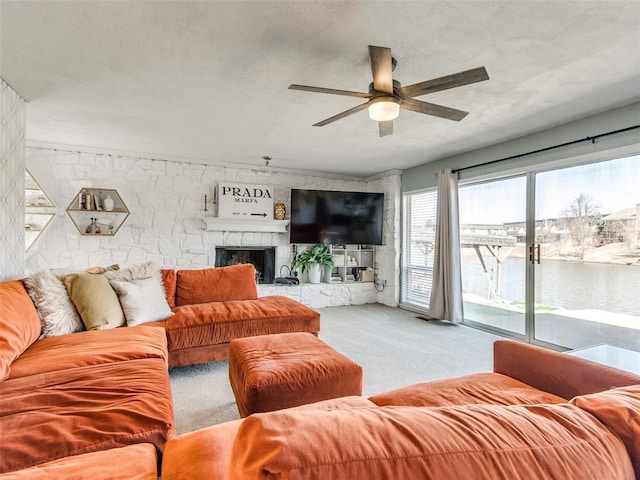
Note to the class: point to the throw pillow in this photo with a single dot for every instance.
(58, 315)
(618, 409)
(135, 272)
(95, 300)
(142, 301)
(99, 269)
(236, 282)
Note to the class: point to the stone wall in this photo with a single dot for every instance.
(12, 134)
(165, 199)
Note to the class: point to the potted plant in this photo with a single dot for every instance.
(313, 259)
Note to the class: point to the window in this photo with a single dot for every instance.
(418, 237)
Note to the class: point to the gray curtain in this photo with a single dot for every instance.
(446, 289)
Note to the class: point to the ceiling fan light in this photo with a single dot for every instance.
(383, 109)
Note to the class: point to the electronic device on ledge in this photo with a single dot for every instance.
(288, 280)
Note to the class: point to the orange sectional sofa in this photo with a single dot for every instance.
(66, 402)
(540, 414)
(79, 393)
(213, 306)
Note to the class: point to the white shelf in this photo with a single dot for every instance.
(214, 224)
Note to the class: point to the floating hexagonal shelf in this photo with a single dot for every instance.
(97, 211)
(38, 210)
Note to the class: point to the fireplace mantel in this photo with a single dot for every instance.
(214, 224)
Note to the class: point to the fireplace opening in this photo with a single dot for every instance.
(263, 258)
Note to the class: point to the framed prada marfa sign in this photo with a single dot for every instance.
(243, 200)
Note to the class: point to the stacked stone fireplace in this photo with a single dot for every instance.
(263, 258)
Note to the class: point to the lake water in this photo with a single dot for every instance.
(569, 284)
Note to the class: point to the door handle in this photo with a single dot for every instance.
(534, 253)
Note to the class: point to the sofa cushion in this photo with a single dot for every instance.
(142, 301)
(169, 279)
(489, 388)
(218, 322)
(475, 441)
(57, 312)
(237, 282)
(204, 454)
(133, 462)
(19, 323)
(91, 348)
(53, 415)
(95, 300)
(618, 409)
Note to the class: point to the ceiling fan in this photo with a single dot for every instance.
(387, 96)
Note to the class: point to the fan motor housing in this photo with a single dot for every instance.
(376, 93)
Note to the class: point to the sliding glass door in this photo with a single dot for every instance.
(550, 257)
(492, 241)
(554, 257)
(587, 255)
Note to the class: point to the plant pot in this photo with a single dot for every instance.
(326, 274)
(314, 273)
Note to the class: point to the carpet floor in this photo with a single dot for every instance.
(393, 347)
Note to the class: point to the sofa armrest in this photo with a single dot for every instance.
(555, 372)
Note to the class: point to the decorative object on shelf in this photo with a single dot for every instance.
(279, 211)
(313, 259)
(92, 228)
(108, 202)
(352, 261)
(110, 211)
(39, 210)
(244, 201)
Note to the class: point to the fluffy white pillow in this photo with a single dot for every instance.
(136, 272)
(142, 301)
(58, 314)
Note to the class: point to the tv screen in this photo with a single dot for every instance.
(332, 217)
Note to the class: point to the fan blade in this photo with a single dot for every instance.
(346, 113)
(331, 91)
(433, 109)
(386, 128)
(444, 83)
(381, 69)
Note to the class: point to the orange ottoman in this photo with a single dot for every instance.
(271, 372)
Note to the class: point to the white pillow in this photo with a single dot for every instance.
(142, 301)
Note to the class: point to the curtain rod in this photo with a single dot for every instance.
(553, 147)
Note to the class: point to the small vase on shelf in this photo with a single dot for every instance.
(93, 227)
(279, 211)
(108, 203)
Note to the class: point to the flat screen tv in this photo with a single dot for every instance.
(332, 217)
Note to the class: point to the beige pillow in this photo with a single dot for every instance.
(95, 300)
(142, 301)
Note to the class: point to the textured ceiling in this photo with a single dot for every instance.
(207, 81)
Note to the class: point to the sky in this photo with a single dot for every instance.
(613, 185)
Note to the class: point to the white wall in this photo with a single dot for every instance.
(424, 176)
(12, 134)
(165, 199)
